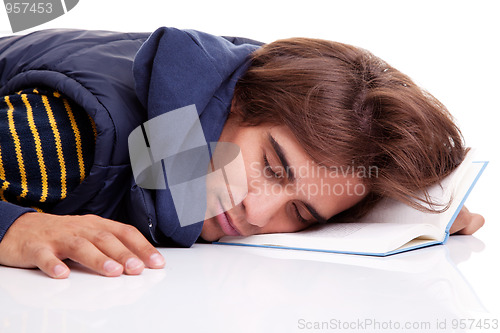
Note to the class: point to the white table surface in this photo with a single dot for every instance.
(241, 289)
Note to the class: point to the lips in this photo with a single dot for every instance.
(226, 225)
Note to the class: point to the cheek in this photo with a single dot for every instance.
(283, 223)
(285, 227)
(255, 175)
(253, 171)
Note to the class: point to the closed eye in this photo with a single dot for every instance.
(287, 172)
(297, 214)
(268, 170)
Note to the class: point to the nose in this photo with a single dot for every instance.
(260, 207)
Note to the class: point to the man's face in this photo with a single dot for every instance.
(287, 191)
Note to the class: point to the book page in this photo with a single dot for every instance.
(344, 237)
(453, 187)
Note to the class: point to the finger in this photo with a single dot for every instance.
(81, 250)
(461, 220)
(50, 264)
(139, 245)
(476, 221)
(132, 239)
(115, 249)
(456, 226)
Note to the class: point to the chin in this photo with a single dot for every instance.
(209, 238)
(210, 231)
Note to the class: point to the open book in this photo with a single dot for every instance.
(391, 227)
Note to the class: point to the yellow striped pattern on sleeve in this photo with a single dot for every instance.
(46, 147)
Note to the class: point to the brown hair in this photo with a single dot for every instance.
(344, 105)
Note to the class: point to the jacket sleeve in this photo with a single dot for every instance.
(8, 214)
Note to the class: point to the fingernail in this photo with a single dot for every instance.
(157, 259)
(133, 264)
(59, 270)
(111, 266)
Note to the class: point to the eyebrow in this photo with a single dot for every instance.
(291, 175)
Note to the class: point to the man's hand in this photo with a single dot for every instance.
(107, 247)
(466, 223)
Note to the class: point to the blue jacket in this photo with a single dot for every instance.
(121, 80)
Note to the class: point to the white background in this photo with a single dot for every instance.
(451, 48)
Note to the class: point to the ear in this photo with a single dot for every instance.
(234, 115)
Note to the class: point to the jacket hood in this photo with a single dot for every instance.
(176, 68)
